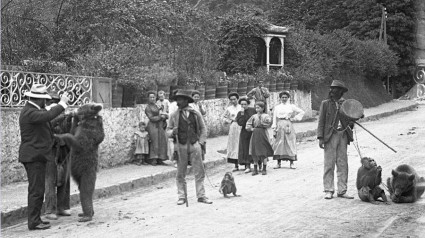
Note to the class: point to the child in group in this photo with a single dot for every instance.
(141, 139)
(259, 147)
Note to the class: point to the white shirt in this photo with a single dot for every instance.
(286, 111)
(172, 108)
(231, 113)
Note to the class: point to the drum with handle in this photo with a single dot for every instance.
(352, 109)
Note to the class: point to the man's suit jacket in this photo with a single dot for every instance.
(259, 94)
(36, 133)
(328, 120)
(174, 122)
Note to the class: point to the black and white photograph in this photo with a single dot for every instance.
(212, 118)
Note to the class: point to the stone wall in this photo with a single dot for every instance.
(119, 124)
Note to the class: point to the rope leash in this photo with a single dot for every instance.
(356, 143)
(206, 175)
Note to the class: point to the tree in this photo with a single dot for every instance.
(237, 40)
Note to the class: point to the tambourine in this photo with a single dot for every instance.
(352, 109)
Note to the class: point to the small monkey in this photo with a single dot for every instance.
(368, 181)
(228, 185)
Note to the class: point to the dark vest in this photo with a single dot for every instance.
(187, 130)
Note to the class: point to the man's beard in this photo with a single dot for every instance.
(182, 105)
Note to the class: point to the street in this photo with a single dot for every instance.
(283, 203)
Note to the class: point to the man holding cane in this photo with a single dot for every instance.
(188, 127)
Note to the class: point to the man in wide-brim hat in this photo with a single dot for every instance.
(334, 132)
(36, 147)
(188, 128)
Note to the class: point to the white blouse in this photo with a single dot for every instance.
(287, 111)
(231, 113)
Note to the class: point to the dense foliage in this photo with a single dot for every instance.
(237, 43)
(141, 43)
(362, 19)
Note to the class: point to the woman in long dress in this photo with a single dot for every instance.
(156, 127)
(259, 147)
(245, 136)
(284, 145)
(234, 130)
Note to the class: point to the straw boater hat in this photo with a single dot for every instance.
(38, 91)
(184, 94)
(339, 84)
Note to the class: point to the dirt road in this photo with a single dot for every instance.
(284, 203)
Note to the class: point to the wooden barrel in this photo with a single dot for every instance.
(232, 88)
(250, 86)
(286, 86)
(242, 89)
(294, 85)
(272, 86)
(201, 90)
(279, 86)
(209, 92)
(221, 91)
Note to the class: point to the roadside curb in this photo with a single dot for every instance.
(16, 215)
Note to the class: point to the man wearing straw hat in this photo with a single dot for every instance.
(36, 147)
(188, 127)
(334, 134)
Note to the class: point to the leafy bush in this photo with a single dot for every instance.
(313, 58)
(236, 41)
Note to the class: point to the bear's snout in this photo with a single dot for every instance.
(398, 192)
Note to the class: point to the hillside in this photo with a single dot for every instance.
(370, 94)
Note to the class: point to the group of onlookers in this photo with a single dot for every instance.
(152, 145)
(249, 141)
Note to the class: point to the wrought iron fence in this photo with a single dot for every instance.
(15, 83)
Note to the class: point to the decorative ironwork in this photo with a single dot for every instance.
(419, 74)
(15, 83)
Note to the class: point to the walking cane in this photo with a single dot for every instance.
(184, 184)
(375, 137)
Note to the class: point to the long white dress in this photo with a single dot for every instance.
(234, 132)
(284, 145)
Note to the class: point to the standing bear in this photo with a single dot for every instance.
(404, 184)
(87, 134)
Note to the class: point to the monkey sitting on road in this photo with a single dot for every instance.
(228, 185)
(368, 180)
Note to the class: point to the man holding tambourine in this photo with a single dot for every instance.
(335, 133)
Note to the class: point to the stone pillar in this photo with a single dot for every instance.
(282, 58)
(267, 41)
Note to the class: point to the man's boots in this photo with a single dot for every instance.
(255, 170)
(264, 172)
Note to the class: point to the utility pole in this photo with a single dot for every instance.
(383, 36)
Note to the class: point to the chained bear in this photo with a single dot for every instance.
(404, 185)
(86, 135)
